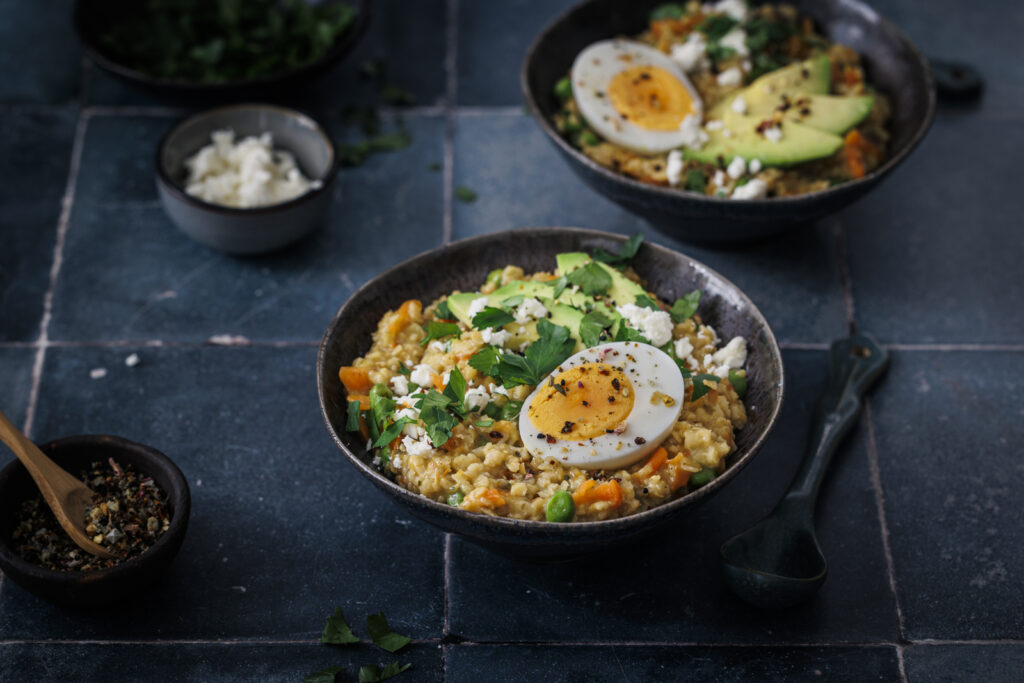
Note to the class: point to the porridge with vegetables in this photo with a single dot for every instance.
(571, 395)
(725, 100)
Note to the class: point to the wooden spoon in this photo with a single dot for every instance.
(68, 497)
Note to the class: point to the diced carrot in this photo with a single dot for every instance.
(492, 498)
(356, 380)
(583, 492)
(852, 75)
(406, 312)
(438, 382)
(657, 459)
(590, 491)
(852, 144)
(364, 401)
(679, 476)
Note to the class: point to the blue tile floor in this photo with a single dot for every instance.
(920, 517)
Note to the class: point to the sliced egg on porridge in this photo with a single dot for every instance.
(634, 95)
(604, 407)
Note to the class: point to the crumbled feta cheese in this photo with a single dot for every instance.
(530, 309)
(708, 332)
(737, 9)
(754, 166)
(396, 461)
(708, 361)
(655, 325)
(437, 345)
(477, 398)
(476, 306)
(683, 348)
(737, 167)
(132, 360)
(98, 373)
(737, 40)
(422, 375)
(739, 104)
(413, 447)
(731, 356)
(446, 377)
(409, 412)
(400, 385)
(495, 337)
(498, 389)
(691, 55)
(719, 179)
(746, 65)
(715, 124)
(245, 174)
(693, 136)
(674, 168)
(774, 134)
(753, 189)
(731, 76)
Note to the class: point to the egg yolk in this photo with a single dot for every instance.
(650, 97)
(583, 402)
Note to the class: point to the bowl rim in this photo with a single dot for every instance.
(346, 42)
(305, 119)
(548, 529)
(182, 503)
(673, 194)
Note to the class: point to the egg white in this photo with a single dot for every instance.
(591, 74)
(651, 370)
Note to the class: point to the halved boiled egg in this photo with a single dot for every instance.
(604, 407)
(634, 95)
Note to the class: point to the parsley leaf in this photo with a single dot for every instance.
(337, 631)
(486, 360)
(373, 673)
(560, 284)
(492, 317)
(381, 403)
(436, 330)
(626, 252)
(716, 26)
(328, 675)
(699, 388)
(403, 369)
(625, 333)
(392, 432)
(552, 347)
(510, 410)
(456, 391)
(739, 382)
(670, 10)
(717, 52)
(442, 311)
(644, 301)
(465, 195)
(591, 278)
(435, 417)
(382, 635)
(592, 326)
(696, 181)
(685, 307)
(352, 423)
(484, 423)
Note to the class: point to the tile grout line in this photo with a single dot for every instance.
(901, 665)
(876, 484)
(451, 93)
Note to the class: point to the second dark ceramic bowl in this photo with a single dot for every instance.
(893, 64)
(464, 265)
(101, 586)
(260, 229)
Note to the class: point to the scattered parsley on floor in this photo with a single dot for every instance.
(337, 632)
(464, 194)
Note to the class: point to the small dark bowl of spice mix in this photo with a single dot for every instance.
(140, 513)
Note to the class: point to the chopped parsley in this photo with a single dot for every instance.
(716, 26)
(456, 391)
(592, 328)
(645, 301)
(626, 252)
(403, 369)
(328, 675)
(397, 95)
(492, 317)
(381, 404)
(436, 330)
(509, 411)
(443, 311)
(353, 154)
(552, 347)
(465, 195)
(670, 10)
(485, 361)
(696, 181)
(352, 423)
(436, 418)
(591, 278)
(685, 307)
(337, 631)
(373, 673)
(382, 635)
(483, 424)
(699, 387)
(392, 431)
(626, 333)
(559, 284)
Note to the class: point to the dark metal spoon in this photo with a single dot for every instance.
(778, 562)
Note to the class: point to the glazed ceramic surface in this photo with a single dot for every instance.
(464, 265)
(893, 64)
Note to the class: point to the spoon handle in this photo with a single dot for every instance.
(854, 365)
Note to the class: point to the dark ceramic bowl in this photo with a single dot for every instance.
(464, 265)
(101, 586)
(255, 230)
(893, 64)
(93, 17)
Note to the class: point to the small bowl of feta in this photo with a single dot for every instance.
(246, 178)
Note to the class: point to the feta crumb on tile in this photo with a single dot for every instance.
(693, 136)
(731, 76)
(98, 373)
(476, 306)
(739, 104)
(737, 167)
(400, 385)
(674, 167)
(132, 360)
(753, 189)
(655, 325)
(691, 55)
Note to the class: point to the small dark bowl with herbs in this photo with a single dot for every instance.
(201, 46)
(892, 65)
(463, 265)
(141, 514)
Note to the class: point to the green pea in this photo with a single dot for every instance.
(702, 478)
(571, 125)
(589, 139)
(494, 277)
(455, 499)
(739, 382)
(560, 507)
(563, 89)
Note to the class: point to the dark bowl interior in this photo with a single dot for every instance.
(93, 17)
(893, 64)
(464, 265)
(103, 586)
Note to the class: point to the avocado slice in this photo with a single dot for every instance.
(810, 77)
(623, 290)
(459, 303)
(830, 113)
